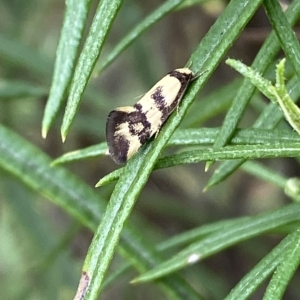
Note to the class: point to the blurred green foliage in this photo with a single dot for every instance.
(244, 224)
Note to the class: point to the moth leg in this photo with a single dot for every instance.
(198, 74)
(189, 64)
(157, 132)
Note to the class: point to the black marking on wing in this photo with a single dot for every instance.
(185, 79)
(118, 145)
(161, 104)
(158, 98)
(138, 124)
(118, 142)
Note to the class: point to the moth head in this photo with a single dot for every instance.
(185, 71)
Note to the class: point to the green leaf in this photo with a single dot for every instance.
(262, 84)
(288, 265)
(216, 102)
(226, 153)
(223, 239)
(285, 34)
(290, 110)
(206, 57)
(264, 173)
(153, 18)
(277, 93)
(102, 22)
(89, 152)
(292, 188)
(269, 118)
(206, 136)
(199, 233)
(12, 89)
(262, 60)
(32, 167)
(231, 152)
(66, 54)
(250, 283)
(189, 137)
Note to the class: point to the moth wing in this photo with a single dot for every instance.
(121, 143)
(168, 88)
(160, 101)
(171, 90)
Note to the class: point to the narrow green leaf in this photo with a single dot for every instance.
(105, 14)
(231, 152)
(284, 32)
(250, 283)
(222, 32)
(208, 54)
(264, 173)
(189, 137)
(89, 152)
(112, 176)
(269, 118)
(277, 93)
(286, 269)
(13, 89)
(145, 24)
(66, 54)
(223, 239)
(292, 188)
(201, 232)
(188, 3)
(175, 286)
(216, 102)
(23, 56)
(261, 62)
(262, 84)
(248, 151)
(206, 136)
(32, 167)
(280, 80)
(290, 110)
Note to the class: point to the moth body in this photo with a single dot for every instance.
(129, 127)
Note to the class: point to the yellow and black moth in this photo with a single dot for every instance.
(129, 127)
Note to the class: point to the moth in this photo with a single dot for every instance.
(129, 127)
